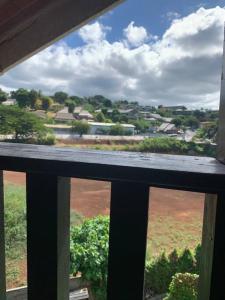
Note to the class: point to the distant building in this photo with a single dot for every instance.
(160, 118)
(167, 128)
(99, 128)
(64, 117)
(176, 107)
(9, 102)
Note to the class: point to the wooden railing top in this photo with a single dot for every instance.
(170, 171)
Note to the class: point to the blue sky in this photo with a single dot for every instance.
(154, 15)
(154, 52)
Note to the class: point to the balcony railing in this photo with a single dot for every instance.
(48, 172)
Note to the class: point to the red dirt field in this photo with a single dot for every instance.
(175, 217)
(91, 198)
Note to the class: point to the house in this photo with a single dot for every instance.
(160, 118)
(176, 107)
(9, 102)
(64, 117)
(81, 114)
(167, 128)
(99, 128)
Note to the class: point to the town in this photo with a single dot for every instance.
(73, 117)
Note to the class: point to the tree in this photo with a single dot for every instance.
(192, 122)
(178, 121)
(89, 245)
(100, 117)
(117, 130)
(38, 104)
(46, 102)
(34, 95)
(141, 125)
(71, 106)
(60, 97)
(21, 124)
(80, 127)
(3, 96)
(22, 97)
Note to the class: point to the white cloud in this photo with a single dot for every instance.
(171, 15)
(92, 33)
(183, 67)
(135, 35)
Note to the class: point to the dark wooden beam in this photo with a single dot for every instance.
(127, 240)
(169, 171)
(42, 22)
(2, 242)
(48, 222)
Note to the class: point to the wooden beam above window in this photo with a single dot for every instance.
(27, 26)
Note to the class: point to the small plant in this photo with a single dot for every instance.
(184, 286)
(89, 254)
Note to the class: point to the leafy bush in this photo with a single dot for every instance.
(159, 271)
(89, 253)
(172, 146)
(184, 286)
(46, 140)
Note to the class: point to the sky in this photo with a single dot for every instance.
(154, 52)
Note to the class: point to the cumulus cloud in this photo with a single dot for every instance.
(135, 35)
(92, 33)
(182, 67)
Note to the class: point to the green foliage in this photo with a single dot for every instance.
(159, 271)
(141, 125)
(15, 220)
(192, 122)
(100, 117)
(60, 97)
(46, 102)
(89, 253)
(22, 97)
(170, 145)
(184, 286)
(209, 131)
(116, 130)
(3, 96)
(20, 123)
(80, 127)
(71, 106)
(48, 139)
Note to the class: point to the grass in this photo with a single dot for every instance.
(164, 234)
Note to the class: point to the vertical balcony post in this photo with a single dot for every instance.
(48, 210)
(127, 242)
(212, 271)
(2, 242)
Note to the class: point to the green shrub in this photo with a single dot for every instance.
(160, 270)
(184, 286)
(89, 253)
(170, 145)
(46, 140)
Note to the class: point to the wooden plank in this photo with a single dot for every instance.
(169, 171)
(48, 221)
(2, 242)
(210, 209)
(221, 127)
(212, 272)
(127, 242)
(42, 23)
